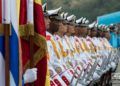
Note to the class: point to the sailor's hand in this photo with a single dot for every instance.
(30, 75)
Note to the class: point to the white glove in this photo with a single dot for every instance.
(96, 76)
(30, 75)
(113, 65)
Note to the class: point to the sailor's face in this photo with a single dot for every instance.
(89, 31)
(61, 27)
(80, 31)
(107, 35)
(65, 27)
(71, 29)
(83, 31)
(47, 22)
(101, 33)
(94, 33)
(77, 31)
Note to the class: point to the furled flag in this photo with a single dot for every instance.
(40, 56)
(9, 16)
(22, 28)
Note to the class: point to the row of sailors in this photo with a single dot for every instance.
(72, 53)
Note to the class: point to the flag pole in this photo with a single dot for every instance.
(7, 54)
(31, 32)
(31, 38)
(30, 27)
(31, 53)
(6, 24)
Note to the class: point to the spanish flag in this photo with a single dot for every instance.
(41, 49)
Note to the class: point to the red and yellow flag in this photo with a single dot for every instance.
(22, 26)
(43, 75)
(40, 46)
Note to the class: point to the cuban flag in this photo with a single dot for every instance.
(9, 16)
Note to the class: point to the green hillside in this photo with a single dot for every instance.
(86, 8)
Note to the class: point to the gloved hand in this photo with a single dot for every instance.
(30, 75)
(113, 65)
(95, 76)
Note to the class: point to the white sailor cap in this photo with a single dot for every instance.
(112, 27)
(111, 24)
(100, 27)
(65, 15)
(44, 7)
(83, 20)
(103, 26)
(60, 16)
(65, 18)
(96, 25)
(79, 21)
(71, 18)
(50, 12)
(107, 29)
(91, 25)
(87, 22)
(54, 12)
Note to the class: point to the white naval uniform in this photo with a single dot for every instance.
(56, 79)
